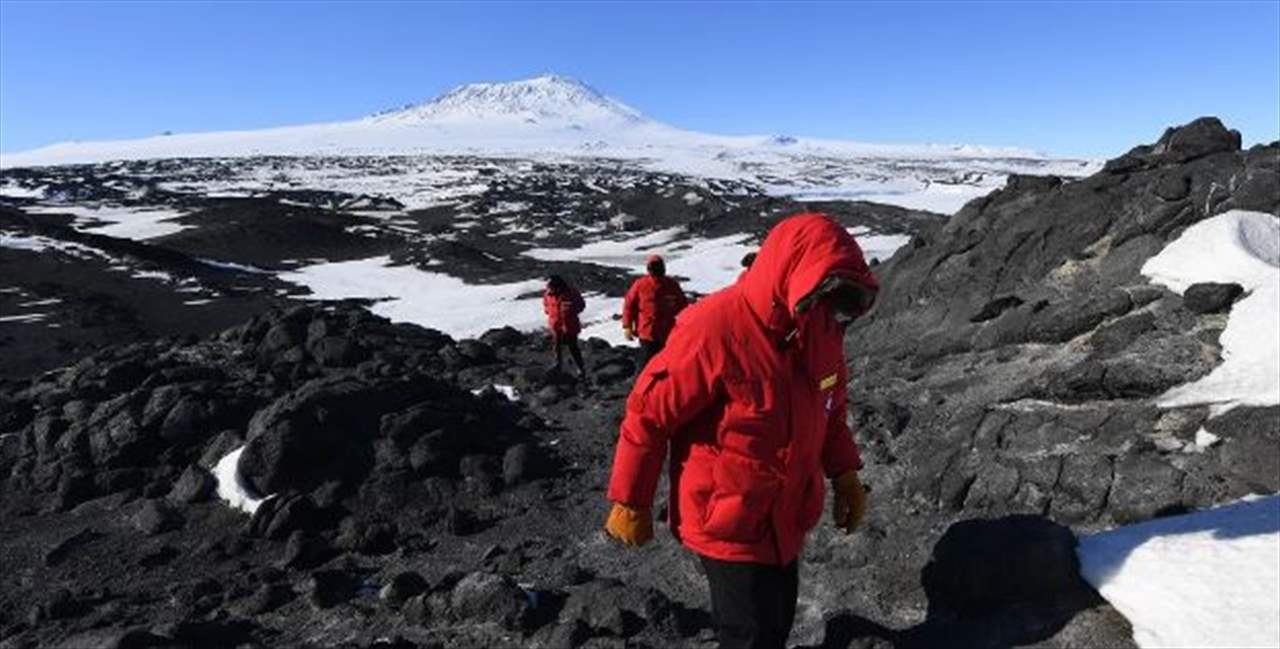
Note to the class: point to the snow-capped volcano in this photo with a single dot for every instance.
(549, 98)
(555, 118)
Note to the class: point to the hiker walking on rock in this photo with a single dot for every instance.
(748, 397)
(650, 308)
(562, 303)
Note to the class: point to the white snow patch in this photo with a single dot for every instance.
(429, 299)
(10, 190)
(227, 265)
(878, 246)
(709, 264)
(122, 222)
(49, 302)
(444, 302)
(231, 485)
(24, 318)
(41, 244)
(508, 391)
(1241, 247)
(152, 274)
(1206, 579)
(1205, 439)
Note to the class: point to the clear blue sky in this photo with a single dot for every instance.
(1082, 78)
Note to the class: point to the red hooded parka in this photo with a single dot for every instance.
(651, 306)
(562, 309)
(749, 396)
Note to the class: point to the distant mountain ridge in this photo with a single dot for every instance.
(556, 119)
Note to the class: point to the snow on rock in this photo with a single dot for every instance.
(1206, 579)
(508, 391)
(122, 222)
(708, 264)
(878, 246)
(1244, 248)
(232, 487)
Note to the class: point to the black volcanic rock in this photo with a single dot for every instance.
(1210, 297)
(155, 517)
(984, 565)
(195, 485)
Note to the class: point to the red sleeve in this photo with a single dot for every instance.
(630, 312)
(674, 388)
(839, 452)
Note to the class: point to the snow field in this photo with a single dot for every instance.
(1206, 579)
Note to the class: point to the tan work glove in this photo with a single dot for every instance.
(629, 332)
(631, 527)
(851, 501)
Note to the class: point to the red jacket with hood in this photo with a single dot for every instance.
(562, 311)
(651, 306)
(749, 398)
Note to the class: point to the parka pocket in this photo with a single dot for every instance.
(814, 500)
(742, 502)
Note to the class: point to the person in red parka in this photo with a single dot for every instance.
(650, 308)
(748, 398)
(562, 303)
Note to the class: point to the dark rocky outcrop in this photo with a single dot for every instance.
(1014, 363)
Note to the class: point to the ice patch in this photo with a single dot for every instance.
(232, 487)
(1206, 579)
(1241, 247)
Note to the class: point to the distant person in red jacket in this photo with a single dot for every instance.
(562, 303)
(749, 399)
(650, 308)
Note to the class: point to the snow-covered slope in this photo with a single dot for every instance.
(556, 118)
(1206, 579)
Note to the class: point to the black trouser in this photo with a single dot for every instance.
(571, 342)
(752, 604)
(649, 349)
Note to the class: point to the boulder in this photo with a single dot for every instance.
(1211, 297)
(487, 597)
(193, 486)
(984, 565)
(155, 517)
(401, 587)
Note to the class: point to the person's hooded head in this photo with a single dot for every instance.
(655, 266)
(556, 284)
(807, 260)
